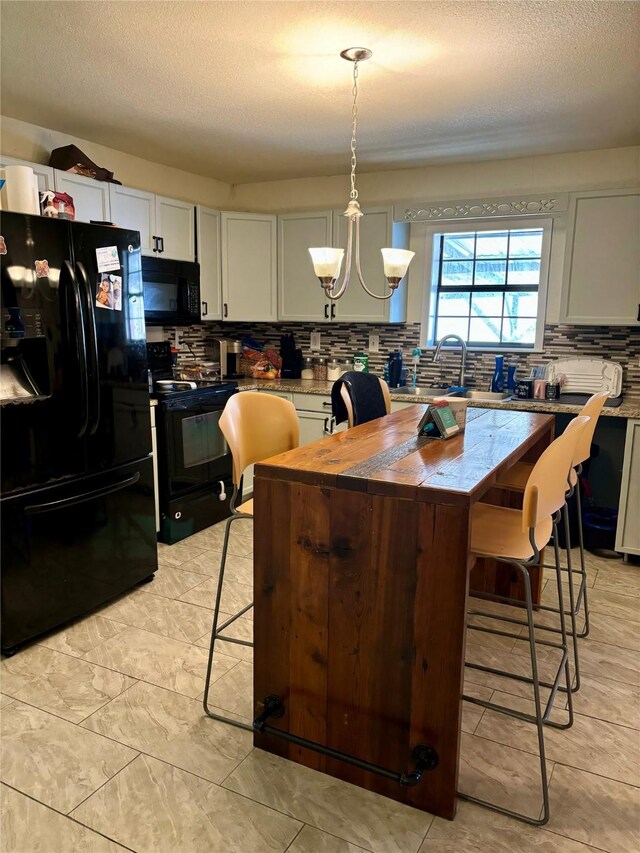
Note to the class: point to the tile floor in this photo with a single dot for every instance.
(106, 748)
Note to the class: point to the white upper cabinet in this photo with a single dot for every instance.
(300, 296)
(602, 260)
(135, 209)
(377, 231)
(43, 173)
(175, 228)
(210, 264)
(166, 225)
(90, 197)
(249, 248)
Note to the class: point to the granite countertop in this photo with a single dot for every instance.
(630, 407)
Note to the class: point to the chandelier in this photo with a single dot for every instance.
(327, 261)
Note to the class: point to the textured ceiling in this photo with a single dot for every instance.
(245, 91)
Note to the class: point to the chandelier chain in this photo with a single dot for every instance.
(354, 128)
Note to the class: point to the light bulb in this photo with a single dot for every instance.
(396, 262)
(327, 261)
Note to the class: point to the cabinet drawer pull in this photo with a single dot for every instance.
(333, 310)
(326, 312)
(205, 308)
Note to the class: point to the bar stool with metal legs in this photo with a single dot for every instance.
(256, 426)
(515, 480)
(517, 537)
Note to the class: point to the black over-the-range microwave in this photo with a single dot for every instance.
(171, 292)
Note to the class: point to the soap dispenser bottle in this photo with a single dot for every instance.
(497, 380)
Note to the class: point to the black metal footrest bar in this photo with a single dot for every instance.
(424, 757)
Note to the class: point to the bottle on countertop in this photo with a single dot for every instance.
(511, 377)
(497, 380)
(395, 368)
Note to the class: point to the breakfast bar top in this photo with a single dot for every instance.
(387, 457)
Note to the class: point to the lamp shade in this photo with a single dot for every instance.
(327, 261)
(396, 262)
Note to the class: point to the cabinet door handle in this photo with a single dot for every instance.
(225, 310)
(326, 428)
(205, 308)
(326, 312)
(161, 239)
(639, 313)
(333, 311)
(155, 243)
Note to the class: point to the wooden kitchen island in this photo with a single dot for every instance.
(361, 579)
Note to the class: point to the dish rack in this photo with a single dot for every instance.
(587, 376)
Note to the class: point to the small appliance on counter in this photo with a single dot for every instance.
(227, 353)
(291, 358)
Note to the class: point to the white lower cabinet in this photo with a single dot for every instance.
(396, 405)
(628, 531)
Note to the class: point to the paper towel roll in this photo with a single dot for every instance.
(20, 193)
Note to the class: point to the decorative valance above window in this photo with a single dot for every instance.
(485, 208)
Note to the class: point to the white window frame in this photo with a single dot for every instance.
(434, 229)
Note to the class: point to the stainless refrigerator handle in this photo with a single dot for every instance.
(76, 321)
(63, 503)
(93, 348)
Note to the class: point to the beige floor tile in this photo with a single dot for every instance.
(240, 541)
(235, 595)
(609, 700)
(312, 840)
(519, 664)
(592, 745)
(619, 578)
(614, 604)
(353, 814)
(66, 686)
(5, 701)
(614, 631)
(174, 729)
(484, 638)
(507, 777)
(472, 714)
(27, 826)
(175, 619)
(54, 761)
(479, 830)
(234, 691)
(152, 806)
(82, 636)
(595, 659)
(178, 554)
(171, 582)
(160, 660)
(237, 568)
(242, 628)
(595, 810)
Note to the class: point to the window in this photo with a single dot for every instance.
(488, 283)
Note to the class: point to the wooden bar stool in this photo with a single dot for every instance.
(517, 537)
(256, 426)
(515, 479)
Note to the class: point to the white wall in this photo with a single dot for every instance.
(30, 142)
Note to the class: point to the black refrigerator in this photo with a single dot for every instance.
(77, 507)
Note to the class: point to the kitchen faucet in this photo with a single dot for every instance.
(463, 354)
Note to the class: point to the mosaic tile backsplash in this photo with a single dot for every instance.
(619, 343)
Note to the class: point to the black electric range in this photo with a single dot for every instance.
(194, 462)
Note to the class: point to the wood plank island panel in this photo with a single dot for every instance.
(361, 579)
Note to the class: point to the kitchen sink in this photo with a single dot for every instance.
(430, 391)
(483, 395)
